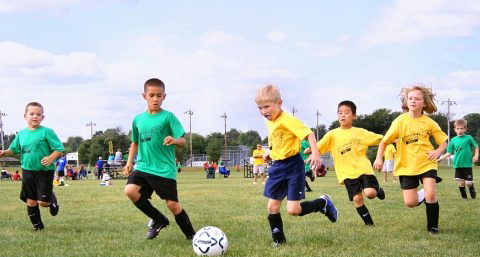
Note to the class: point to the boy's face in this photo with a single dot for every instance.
(345, 116)
(460, 130)
(34, 116)
(154, 97)
(269, 109)
(415, 101)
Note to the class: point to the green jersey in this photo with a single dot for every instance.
(304, 144)
(33, 145)
(461, 149)
(149, 131)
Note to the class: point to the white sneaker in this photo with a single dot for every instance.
(421, 196)
(255, 182)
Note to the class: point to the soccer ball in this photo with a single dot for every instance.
(210, 241)
(321, 171)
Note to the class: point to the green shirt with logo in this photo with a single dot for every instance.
(35, 144)
(461, 147)
(304, 144)
(149, 131)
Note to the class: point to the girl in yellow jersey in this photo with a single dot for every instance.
(416, 159)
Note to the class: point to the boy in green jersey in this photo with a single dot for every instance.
(461, 147)
(38, 147)
(155, 133)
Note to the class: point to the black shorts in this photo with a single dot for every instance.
(356, 185)
(166, 188)
(61, 173)
(37, 185)
(411, 182)
(464, 174)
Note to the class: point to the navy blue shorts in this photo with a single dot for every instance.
(286, 178)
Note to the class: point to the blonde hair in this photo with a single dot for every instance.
(269, 93)
(460, 122)
(428, 97)
(33, 104)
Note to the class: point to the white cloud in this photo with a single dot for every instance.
(321, 50)
(410, 21)
(277, 36)
(219, 38)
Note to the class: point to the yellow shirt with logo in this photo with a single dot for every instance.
(258, 157)
(284, 136)
(349, 150)
(389, 152)
(414, 144)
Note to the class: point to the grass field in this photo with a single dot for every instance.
(100, 221)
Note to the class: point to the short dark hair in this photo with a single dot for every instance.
(34, 104)
(350, 104)
(153, 82)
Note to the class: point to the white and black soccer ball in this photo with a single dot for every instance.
(210, 241)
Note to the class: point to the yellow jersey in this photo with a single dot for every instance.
(349, 150)
(389, 152)
(258, 157)
(413, 143)
(284, 136)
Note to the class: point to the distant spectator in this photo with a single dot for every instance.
(205, 165)
(118, 157)
(16, 176)
(5, 174)
(99, 167)
(61, 163)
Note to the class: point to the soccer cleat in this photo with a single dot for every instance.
(421, 197)
(433, 231)
(38, 227)
(380, 193)
(473, 194)
(54, 207)
(329, 210)
(154, 228)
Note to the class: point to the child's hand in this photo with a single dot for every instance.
(315, 161)
(378, 164)
(475, 158)
(434, 155)
(266, 157)
(127, 169)
(46, 161)
(169, 141)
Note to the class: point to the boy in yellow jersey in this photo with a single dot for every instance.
(258, 164)
(389, 162)
(286, 176)
(348, 146)
(416, 159)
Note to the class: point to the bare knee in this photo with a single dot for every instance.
(370, 193)
(411, 204)
(132, 193)
(174, 207)
(294, 211)
(43, 204)
(358, 200)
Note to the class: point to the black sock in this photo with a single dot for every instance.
(276, 226)
(307, 186)
(35, 217)
(463, 192)
(146, 207)
(472, 191)
(312, 206)
(433, 210)
(185, 225)
(365, 215)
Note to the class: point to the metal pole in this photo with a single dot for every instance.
(190, 113)
(294, 111)
(1, 129)
(318, 114)
(224, 116)
(91, 124)
(449, 103)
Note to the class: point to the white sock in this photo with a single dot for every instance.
(421, 196)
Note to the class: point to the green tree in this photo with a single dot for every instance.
(232, 137)
(84, 152)
(250, 138)
(72, 144)
(214, 148)
(199, 143)
(473, 125)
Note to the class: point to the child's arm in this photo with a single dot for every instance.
(9, 152)
(433, 155)
(314, 159)
(169, 140)
(475, 156)
(131, 155)
(49, 159)
(378, 164)
(445, 156)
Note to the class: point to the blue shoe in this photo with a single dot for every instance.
(329, 210)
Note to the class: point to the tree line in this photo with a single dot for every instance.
(378, 121)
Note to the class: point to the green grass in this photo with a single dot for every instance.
(100, 221)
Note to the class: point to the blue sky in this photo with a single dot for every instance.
(87, 60)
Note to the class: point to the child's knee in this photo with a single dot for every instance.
(370, 193)
(411, 203)
(174, 207)
(132, 193)
(469, 183)
(294, 211)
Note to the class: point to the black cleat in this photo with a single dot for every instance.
(433, 231)
(473, 194)
(54, 207)
(154, 228)
(380, 193)
(38, 227)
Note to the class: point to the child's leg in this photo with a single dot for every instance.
(362, 209)
(471, 188)
(133, 192)
(307, 186)
(431, 203)
(181, 217)
(34, 214)
(461, 187)
(275, 221)
(410, 197)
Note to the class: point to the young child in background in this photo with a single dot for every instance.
(389, 162)
(416, 159)
(39, 147)
(461, 147)
(286, 175)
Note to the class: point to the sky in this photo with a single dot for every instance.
(86, 60)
